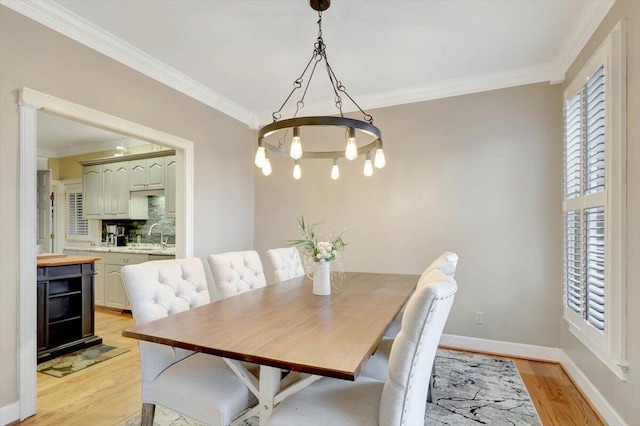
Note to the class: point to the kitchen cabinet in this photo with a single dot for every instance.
(65, 317)
(106, 193)
(170, 186)
(115, 190)
(92, 192)
(147, 174)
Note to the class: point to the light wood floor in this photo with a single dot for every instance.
(108, 393)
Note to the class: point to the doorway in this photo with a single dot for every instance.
(30, 102)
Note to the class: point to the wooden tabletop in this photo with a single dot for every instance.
(67, 260)
(284, 325)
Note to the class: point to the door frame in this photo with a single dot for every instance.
(29, 103)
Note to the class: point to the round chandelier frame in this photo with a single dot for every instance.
(351, 126)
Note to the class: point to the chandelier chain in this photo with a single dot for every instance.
(319, 53)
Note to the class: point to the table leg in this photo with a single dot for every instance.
(269, 385)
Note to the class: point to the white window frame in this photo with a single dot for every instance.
(610, 346)
(75, 185)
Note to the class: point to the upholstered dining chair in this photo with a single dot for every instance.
(446, 263)
(401, 399)
(196, 385)
(235, 272)
(286, 263)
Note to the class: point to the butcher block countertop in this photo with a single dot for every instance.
(61, 260)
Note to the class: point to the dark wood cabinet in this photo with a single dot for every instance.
(65, 309)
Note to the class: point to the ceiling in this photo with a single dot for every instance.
(242, 56)
(61, 137)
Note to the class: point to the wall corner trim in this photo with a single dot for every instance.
(542, 353)
(10, 413)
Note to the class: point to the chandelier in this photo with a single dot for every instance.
(354, 130)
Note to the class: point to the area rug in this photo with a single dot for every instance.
(79, 360)
(469, 389)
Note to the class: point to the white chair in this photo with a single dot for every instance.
(196, 385)
(446, 263)
(401, 400)
(235, 272)
(286, 263)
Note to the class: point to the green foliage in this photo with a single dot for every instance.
(314, 249)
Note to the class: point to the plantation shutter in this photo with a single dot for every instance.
(573, 256)
(594, 251)
(573, 146)
(76, 225)
(585, 213)
(594, 144)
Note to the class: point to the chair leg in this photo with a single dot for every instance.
(431, 380)
(148, 412)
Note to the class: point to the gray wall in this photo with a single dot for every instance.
(478, 174)
(623, 396)
(31, 55)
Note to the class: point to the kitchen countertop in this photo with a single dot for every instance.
(67, 260)
(138, 248)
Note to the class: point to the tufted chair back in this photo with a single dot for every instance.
(235, 272)
(286, 263)
(446, 263)
(158, 289)
(404, 396)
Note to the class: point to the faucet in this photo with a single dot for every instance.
(163, 243)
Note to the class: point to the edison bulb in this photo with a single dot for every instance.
(261, 156)
(297, 171)
(296, 145)
(266, 168)
(335, 171)
(368, 167)
(379, 160)
(351, 152)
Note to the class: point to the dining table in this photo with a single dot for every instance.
(294, 336)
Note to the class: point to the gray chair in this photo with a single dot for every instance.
(196, 385)
(235, 272)
(286, 263)
(402, 398)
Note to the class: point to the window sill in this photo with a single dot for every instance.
(619, 368)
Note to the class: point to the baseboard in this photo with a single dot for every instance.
(591, 393)
(518, 350)
(10, 413)
(542, 353)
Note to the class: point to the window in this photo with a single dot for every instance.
(76, 225)
(594, 204)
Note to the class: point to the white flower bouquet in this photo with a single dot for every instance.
(316, 250)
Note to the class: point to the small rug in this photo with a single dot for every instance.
(79, 360)
(469, 389)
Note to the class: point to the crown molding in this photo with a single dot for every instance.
(590, 18)
(62, 20)
(436, 90)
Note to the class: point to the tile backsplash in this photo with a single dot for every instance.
(140, 228)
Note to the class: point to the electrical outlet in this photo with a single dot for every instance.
(479, 317)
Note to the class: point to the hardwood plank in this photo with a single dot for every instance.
(103, 394)
(67, 260)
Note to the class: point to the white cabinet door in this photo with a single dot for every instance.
(155, 175)
(115, 294)
(92, 192)
(146, 174)
(138, 175)
(120, 196)
(98, 284)
(109, 188)
(170, 187)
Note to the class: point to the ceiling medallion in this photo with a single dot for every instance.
(353, 128)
